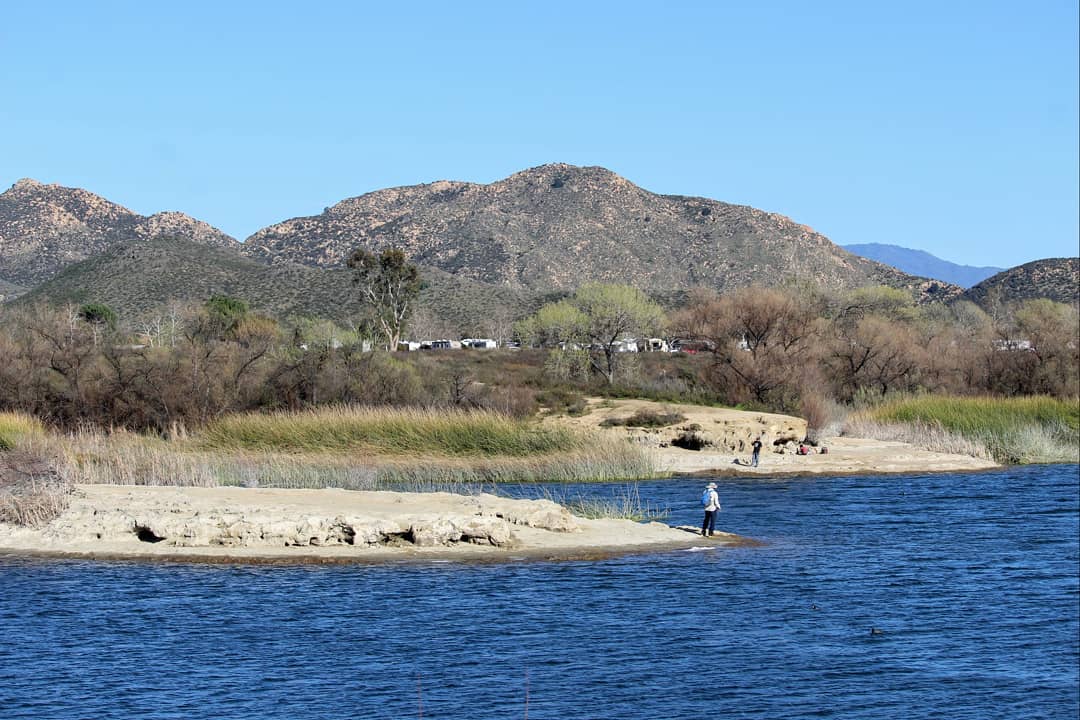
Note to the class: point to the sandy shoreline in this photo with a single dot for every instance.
(262, 525)
(728, 434)
(846, 456)
(228, 524)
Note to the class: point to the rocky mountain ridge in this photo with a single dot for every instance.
(140, 278)
(555, 226)
(47, 227)
(539, 232)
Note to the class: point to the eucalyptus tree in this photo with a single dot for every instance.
(389, 285)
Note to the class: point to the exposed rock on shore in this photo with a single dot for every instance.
(208, 523)
(479, 520)
(718, 430)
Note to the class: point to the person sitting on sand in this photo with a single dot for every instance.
(711, 500)
(803, 450)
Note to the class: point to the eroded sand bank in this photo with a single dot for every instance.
(249, 525)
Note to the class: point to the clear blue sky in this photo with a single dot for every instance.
(950, 127)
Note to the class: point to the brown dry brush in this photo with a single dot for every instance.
(773, 349)
(777, 349)
(33, 491)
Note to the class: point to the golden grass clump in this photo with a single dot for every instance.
(15, 427)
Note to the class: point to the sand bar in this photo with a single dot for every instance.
(269, 525)
(846, 456)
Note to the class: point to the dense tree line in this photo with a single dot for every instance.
(776, 349)
(786, 349)
(68, 369)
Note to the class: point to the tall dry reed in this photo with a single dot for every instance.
(1010, 430)
(95, 457)
(16, 426)
(32, 489)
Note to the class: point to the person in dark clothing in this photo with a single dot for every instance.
(712, 506)
(756, 445)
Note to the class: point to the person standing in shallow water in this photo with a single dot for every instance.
(756, 445)
(711, 500)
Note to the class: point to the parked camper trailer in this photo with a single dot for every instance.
(657, 345)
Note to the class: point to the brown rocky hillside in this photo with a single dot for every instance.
(45, 228)
(556, 226)
(1056, 279)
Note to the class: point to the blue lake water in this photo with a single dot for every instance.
(971, 579)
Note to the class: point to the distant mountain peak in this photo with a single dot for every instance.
(27, 184)
(922, 263)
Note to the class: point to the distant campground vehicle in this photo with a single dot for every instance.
(633, 345)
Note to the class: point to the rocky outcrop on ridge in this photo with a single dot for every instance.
(45, 228)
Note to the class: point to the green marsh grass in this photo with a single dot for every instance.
(388, 432)
(1011, 430)
(356, 450)
(624, 503)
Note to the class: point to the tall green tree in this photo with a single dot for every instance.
(101, 318)
(224, 315)
(597, 317)
(98, 314)
(389, 285)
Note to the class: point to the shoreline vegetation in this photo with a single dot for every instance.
(46, 475)
(1011, 431)
(348, 448)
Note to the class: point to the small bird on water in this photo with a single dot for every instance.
(876, 631)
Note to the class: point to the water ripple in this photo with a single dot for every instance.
(971, 581)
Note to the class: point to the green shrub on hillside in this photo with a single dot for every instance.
(645, 419)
